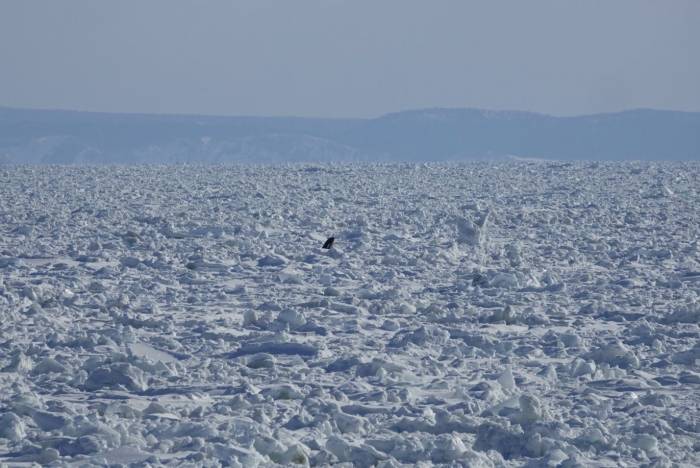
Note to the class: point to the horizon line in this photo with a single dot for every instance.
(387, 114)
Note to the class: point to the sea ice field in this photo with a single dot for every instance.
(524, 313)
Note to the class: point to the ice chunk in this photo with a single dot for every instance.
(274, 347)
(20, 363)
(130, 262)
(580, 367)
(506, 380)
(530, 409)
(294, 318)
(117, 375)
(510, 441)
(272, 260)
(447, 448)
(615, 354)
(48, 421)
(427, 334)
(646, 442)
(283, 392)
(11, 427)
(505, 280)
(261, 361)
(48, 365)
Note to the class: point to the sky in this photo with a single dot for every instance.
(354, 58)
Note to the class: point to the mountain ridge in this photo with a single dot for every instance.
(30, 136)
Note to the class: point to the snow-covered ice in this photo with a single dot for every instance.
(510, 314)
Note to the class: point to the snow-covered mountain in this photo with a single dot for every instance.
(41, 136)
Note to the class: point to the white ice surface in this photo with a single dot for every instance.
(528, 313)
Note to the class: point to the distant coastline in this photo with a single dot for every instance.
(30, 136)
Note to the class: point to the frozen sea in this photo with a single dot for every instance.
(527, 313)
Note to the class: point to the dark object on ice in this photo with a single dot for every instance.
(329, 243)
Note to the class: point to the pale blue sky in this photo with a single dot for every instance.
(349, 58)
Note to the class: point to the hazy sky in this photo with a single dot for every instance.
(349, 58)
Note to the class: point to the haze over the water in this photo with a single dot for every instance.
(349, 58)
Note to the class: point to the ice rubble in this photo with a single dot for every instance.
(522, 314)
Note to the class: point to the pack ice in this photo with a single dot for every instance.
(533, 314)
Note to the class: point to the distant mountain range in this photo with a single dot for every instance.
(68, 137)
